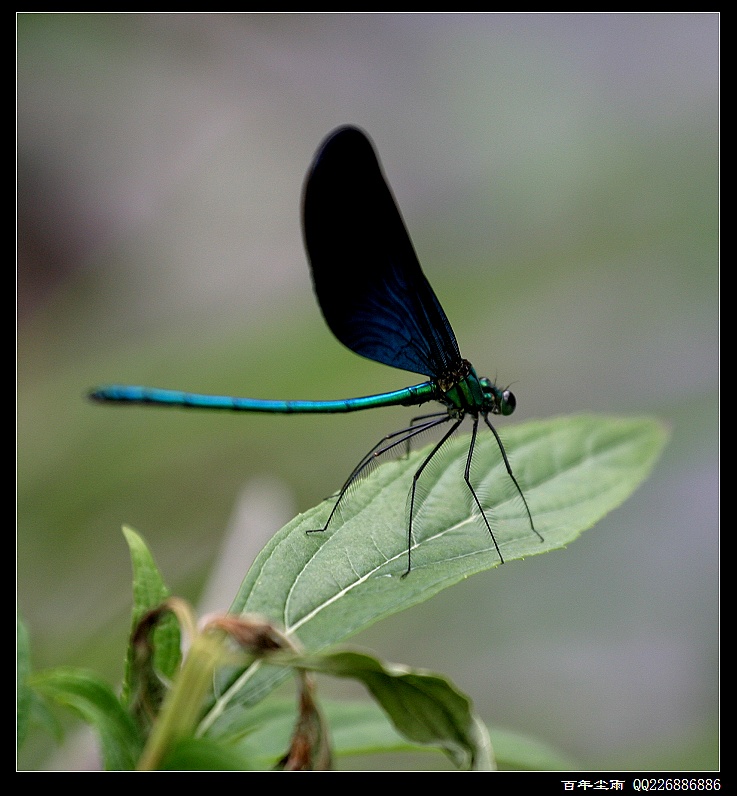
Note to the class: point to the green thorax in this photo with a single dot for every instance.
(464, 391)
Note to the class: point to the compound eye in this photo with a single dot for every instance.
(509, 402)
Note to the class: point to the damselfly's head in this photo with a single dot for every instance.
(502, 402)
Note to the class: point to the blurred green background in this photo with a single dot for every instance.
(559, 176)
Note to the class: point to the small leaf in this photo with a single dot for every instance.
(325, 587)
(149, 591)
(94, 700)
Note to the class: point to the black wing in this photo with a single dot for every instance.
(370, 286)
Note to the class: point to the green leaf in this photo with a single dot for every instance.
(325, 587)
(94, 700)
(149, 591)
(424, 707)
(362, 728)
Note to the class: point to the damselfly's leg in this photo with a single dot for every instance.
(416, 477)
(467, 479)
(511, 475)
(423, 419)
(384, 445)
